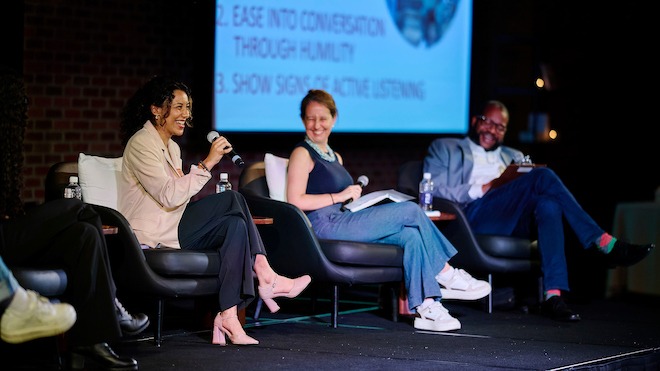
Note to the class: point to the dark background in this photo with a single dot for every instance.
(81, 60)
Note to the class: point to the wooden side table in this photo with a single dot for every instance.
(261, 220)
(443, 217)
(110, 229)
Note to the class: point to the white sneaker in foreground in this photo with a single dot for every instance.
(36, 318)
(435, 317)
(462, 286)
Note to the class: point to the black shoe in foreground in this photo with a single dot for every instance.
(556, 308)
(102, 356)
(130, 324)
(624, 254)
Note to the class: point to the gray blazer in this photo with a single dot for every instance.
(450, 162)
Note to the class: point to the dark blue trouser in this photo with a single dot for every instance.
(539, 199)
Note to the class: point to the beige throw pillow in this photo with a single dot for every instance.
(276, 176)
(98, 179)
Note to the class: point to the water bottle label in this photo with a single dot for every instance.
(68, 193)
(221, 187)
(428, 198)
(426, 201)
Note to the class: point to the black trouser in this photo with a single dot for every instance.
(67, 233)
(223, 221)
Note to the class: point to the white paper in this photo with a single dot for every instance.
(375, 197)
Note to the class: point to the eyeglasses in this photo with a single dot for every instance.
(500, 128)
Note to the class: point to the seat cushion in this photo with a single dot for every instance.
(172, 262)
(362, 254)
(49, 282)
(508, 247)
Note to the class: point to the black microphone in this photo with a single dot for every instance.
(235, 158)
(362, 181)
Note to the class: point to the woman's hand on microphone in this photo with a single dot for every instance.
(219, 147)
(352, 192)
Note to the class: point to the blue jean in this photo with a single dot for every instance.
(426, 250)
(8, 283)
(539, 199)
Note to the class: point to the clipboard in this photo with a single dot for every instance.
(512, 172)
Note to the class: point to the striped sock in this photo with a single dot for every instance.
(606, 243)
(551, 293)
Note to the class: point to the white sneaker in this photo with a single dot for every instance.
(37, 318)
(462, 286)
(435, 317)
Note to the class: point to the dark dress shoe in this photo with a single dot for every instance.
(102, 356)
(133, 324)
(624, 254)
(130, 324)
(556, 308)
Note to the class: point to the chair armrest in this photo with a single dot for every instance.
(129, 265)
(292, 247)
(471, 254)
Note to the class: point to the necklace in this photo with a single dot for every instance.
(328, 156)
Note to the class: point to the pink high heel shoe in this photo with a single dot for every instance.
(220, 333)
(266, 293)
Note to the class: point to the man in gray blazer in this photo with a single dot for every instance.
(467, 170)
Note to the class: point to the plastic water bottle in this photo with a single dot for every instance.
(223, 184)
(73, 189)
(426, 193)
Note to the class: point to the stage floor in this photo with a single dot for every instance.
(614, 334)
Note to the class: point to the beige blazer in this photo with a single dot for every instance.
(153, 192)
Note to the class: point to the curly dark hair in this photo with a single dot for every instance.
(13, 120)
(158, 91)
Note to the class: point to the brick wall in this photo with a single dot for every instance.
(81, 61)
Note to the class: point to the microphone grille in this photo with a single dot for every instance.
(212, 135)
(362, 179)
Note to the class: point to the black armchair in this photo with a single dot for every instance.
(162, 274)
(293, 248)
(477, 253)
(50, 282)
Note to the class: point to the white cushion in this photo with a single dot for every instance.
(276, 176)
(98, 179)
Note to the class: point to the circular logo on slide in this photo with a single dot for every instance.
(422, 22)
